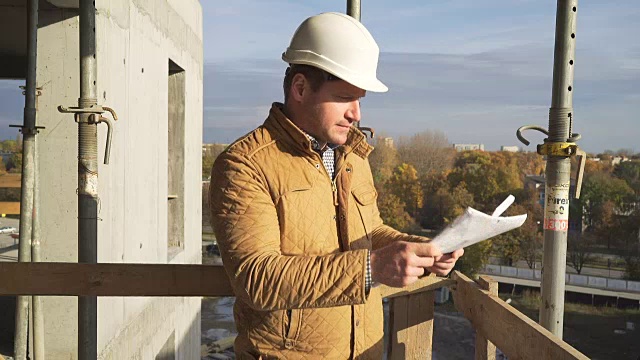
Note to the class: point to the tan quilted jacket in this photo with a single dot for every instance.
(294, 244)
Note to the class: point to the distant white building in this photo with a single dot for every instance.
(618, 159)
(510, 148)
(388, 141)
(468, 147)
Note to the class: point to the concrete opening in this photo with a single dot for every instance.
(176, 143)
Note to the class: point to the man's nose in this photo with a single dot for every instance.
(353, 113)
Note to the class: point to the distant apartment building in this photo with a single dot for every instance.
(387, 141)
(510, 148)
(468, 147)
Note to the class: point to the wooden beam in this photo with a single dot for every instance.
(411, 321)
(427, 283)
(511, 331)
(485, 350)
(70, 279)
(11, 181)
(10, 208)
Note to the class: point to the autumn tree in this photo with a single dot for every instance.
(392, 212)
(404, 184)
(486, 175)
(530, 250)
(443, 204)
(383, 159)
(579, 250)
(209, 155)
(428, 151)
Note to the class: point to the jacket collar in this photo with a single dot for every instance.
(291, 134)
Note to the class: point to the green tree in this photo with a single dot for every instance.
(445, 204)
(9, 146)
(627, 239)
(629, 171)
(474, 259)
(598, 189)
(15, 163)
(512, 244)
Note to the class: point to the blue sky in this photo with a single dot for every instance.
(477, 70)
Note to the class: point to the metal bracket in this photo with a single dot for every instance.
(24, 90)
(565, 149)
(580, 171)
(561, 149)
(95, 112)
(28, 131)
(368, 129)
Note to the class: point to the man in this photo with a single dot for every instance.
(294, 210)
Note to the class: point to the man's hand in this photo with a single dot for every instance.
(402, 263)
(443, 264)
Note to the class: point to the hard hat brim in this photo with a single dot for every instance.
(312, 59)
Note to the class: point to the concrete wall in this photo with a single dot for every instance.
(136, 40)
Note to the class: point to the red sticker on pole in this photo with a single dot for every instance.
(556, 208)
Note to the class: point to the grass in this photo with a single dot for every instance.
(590, 329)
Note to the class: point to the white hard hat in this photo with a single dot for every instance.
(339, 45)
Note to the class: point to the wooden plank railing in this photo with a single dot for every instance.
(512, 332)
(411, 308)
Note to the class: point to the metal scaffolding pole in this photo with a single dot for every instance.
(556, 211)
(87, 178)
(353, 9)
(38, 310)
(28, 160)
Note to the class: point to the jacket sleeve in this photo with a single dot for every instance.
(246, 225)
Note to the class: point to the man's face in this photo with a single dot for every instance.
(331, 111)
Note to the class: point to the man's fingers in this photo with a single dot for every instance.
(457, 253)
(425, 249)
(447, 258)
(414, 271)
(421, 261)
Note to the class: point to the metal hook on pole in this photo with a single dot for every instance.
(529, 127)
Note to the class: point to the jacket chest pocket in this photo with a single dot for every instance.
(307, 222)
(365, 198)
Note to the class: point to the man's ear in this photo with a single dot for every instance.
(299, 87)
